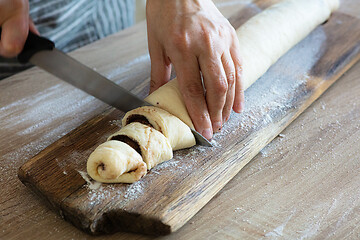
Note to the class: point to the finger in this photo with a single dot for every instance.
(160, 65)
(229, 68)
(216, 88)
(15, 28)
(238, 105)
(13, 36)
(32, 27)
(189, 78)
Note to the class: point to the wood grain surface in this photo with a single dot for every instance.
(165, 199)
(303, 185)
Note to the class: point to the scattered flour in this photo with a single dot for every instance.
(133, 190)
(92, 184)
(278, 231)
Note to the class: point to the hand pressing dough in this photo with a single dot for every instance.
(154, 146)
(114, 162)
(177, 132)
(263, 40)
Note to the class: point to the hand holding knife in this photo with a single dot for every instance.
(42, 53)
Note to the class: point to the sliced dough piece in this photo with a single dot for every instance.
(263, 40)
(115, 162)
(176, 131)
(154, 146)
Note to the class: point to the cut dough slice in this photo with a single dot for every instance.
(153, 145)
(177, 132)
(115, 162)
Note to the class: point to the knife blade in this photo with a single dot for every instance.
(41, 52)
(70, 70)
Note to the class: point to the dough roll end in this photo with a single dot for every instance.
(115, 162)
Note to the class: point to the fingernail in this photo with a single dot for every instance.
(207, 133)
(242, 106)
(217, 126)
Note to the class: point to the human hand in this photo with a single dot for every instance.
(15, 23)
(199, 41)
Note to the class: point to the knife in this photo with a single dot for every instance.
(41, 52)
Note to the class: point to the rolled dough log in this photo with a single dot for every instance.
(114, 162)
(177, 132)
(155, 147)
(263, 40)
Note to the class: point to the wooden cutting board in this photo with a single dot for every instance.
(172, 192)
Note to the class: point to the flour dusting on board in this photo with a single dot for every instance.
(40, 111)
(92, 184)
(133, 190)
(119, 194)
(278, 231)
(47, 111)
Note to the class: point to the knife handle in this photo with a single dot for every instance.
(33, 44)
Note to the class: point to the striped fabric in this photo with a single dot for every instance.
(74, 23)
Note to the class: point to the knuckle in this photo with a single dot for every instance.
(231, 78)
(239, 72)
(180, 40)
(207, 39)
(153, 84)
(203, 117)
(193, 90)
(221, 86)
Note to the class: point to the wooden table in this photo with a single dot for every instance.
(304, 184)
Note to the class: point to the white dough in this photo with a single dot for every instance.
(177, 132)
(169, 98)
(115, 161)
(267, 36)
(155, 147)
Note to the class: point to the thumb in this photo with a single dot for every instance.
(160, 66)
(32, 27)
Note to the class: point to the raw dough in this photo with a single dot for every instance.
(263, 40)
(155, 147)
(115, 161)
(267, 36)
(177, 132)
(169, 98)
